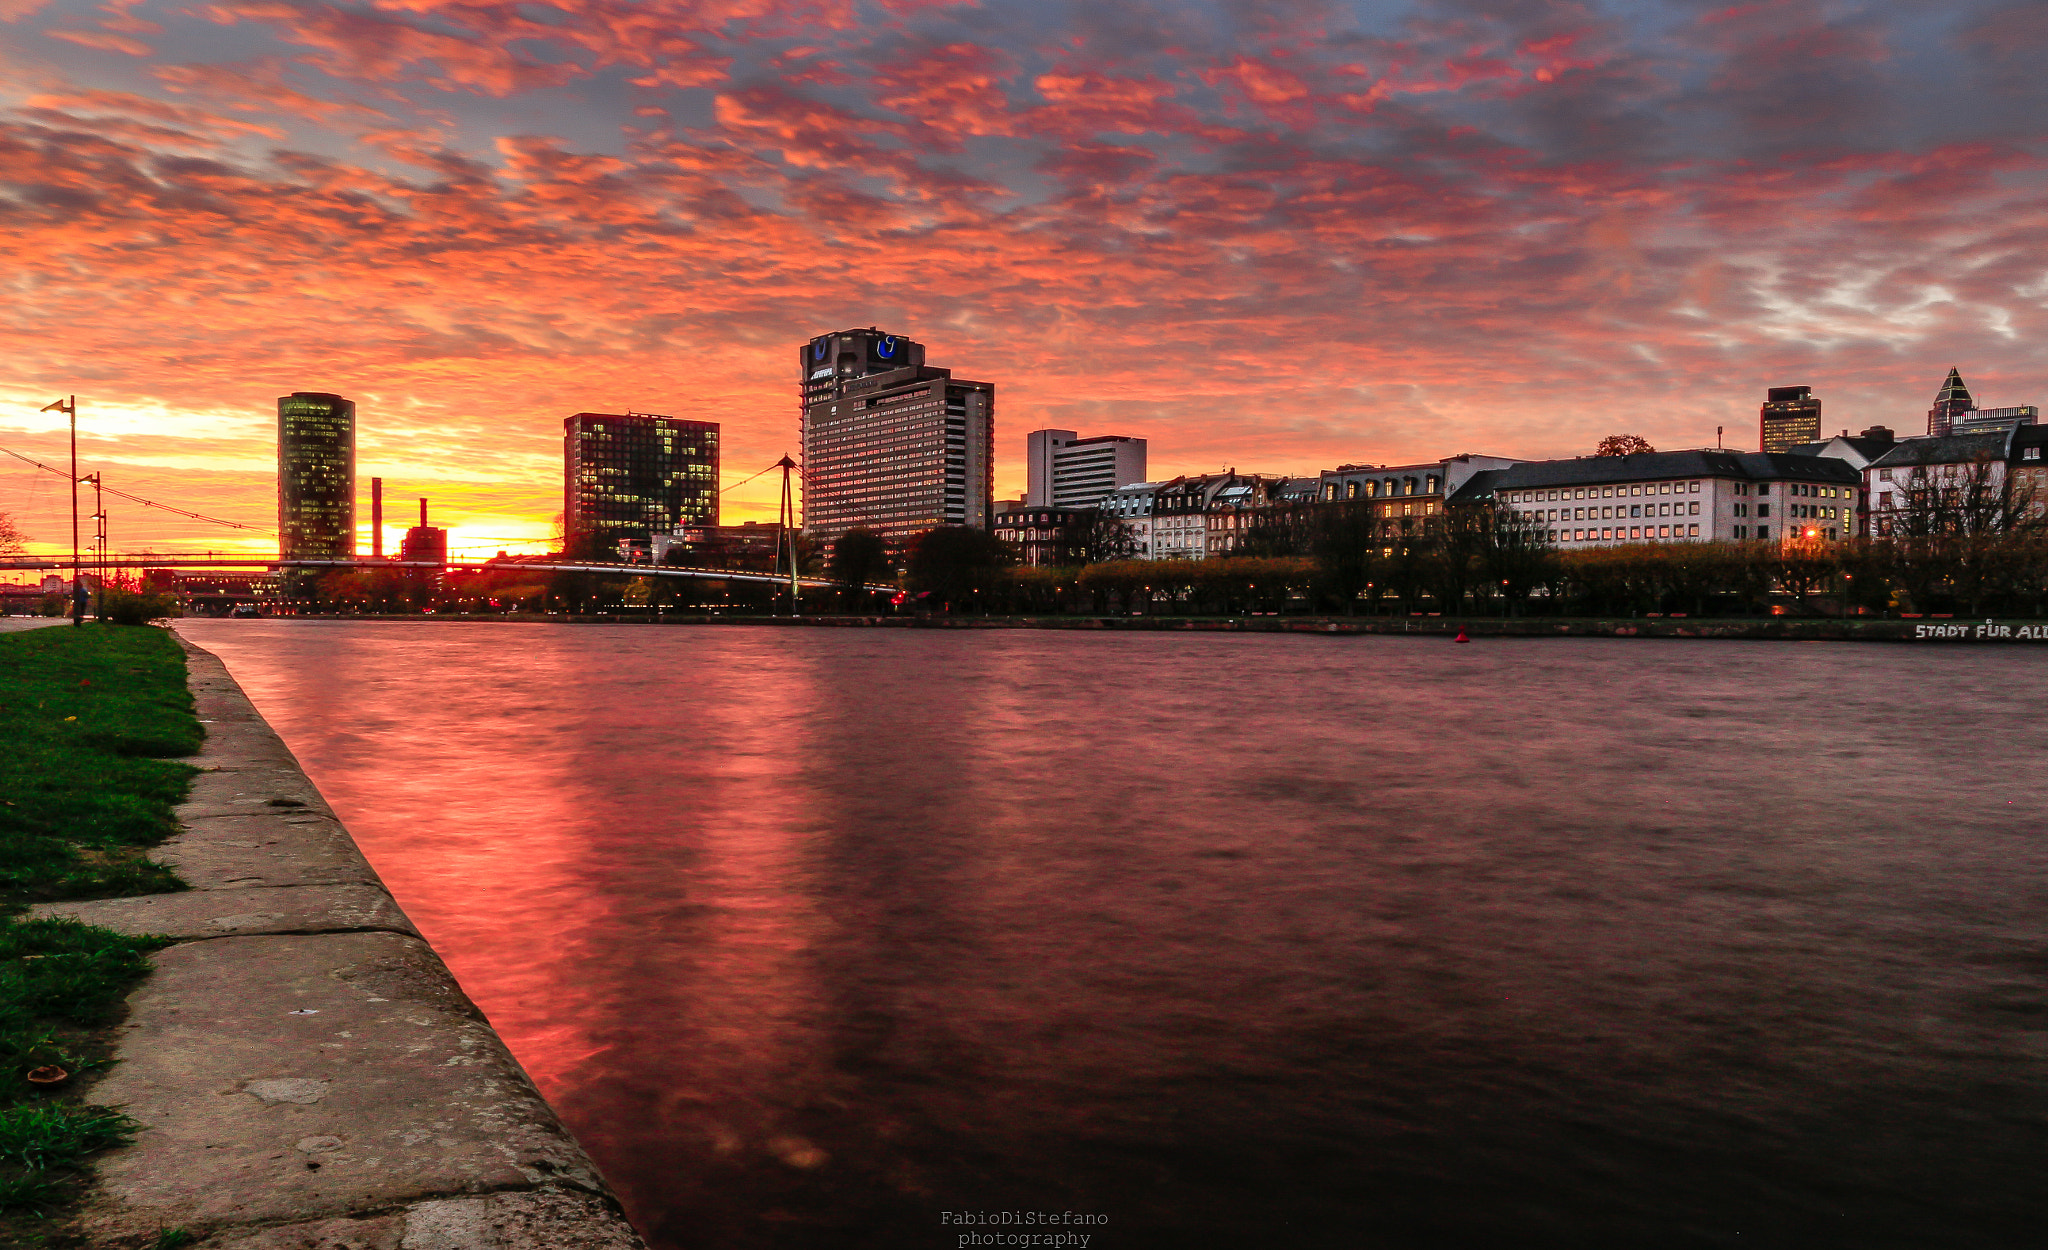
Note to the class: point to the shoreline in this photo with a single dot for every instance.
(306, 1069)
(1932, 629)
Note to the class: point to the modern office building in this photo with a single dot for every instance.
(1790, 416)
(629, 476)
(316, 476)
(890, 444)
(1955, 411)
(1063, 470)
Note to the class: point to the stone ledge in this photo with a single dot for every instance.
(308, 1073)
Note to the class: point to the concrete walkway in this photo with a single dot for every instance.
(309, 1075)
(15, 624)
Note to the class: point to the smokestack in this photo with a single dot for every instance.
(376, 518)
(423, 514)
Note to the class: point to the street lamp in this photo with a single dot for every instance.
(69, 407)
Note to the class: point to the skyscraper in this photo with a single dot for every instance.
(633, 475)
(890, 444)
(1791, 416)
(1950, 403)
(1063, 470)
(316, 476)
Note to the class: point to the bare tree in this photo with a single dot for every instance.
(12, 540)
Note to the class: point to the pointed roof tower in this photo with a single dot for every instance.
(1952, 402)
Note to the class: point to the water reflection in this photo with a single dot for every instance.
(814, 934)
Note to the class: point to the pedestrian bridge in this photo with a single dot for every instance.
(145, 560)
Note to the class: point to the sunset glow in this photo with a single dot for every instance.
(1274, 236)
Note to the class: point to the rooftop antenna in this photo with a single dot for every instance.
(1717, 438)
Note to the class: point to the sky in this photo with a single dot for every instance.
(1270, 235)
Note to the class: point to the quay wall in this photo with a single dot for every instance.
(1782, 628)
(307, 1073)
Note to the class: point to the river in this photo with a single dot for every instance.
(819, 937)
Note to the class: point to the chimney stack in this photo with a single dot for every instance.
(376, 518)
(423, 514)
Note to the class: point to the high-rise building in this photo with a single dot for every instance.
(890, 444)
(1791, 416)
(316, 476)
(1063, 470)
(630, 476)
(1951, 403)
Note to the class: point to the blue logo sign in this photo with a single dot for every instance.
(820, 348)
(885, 347)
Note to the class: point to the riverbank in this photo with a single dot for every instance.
(304, 1069)
(1778, 628)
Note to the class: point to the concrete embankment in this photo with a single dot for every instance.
(1779, 628)
(307, 1073)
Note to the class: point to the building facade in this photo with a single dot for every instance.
(1684, 496)
(629, 476)
(1948, 463)
(890, 444)
(1790, 417)
(316, 476)
(1413, 492)
(1063, 470)
(1043, 537)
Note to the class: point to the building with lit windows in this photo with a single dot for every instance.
(629, 476)
(1790, 416)
(889, 443)
(1410, 492)
(316, 476)
(1064, 470)
(1679, 496)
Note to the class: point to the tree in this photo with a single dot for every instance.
(1623, 445)
(12, 540)
(960, 568)
(1095, 536)
(859, 558)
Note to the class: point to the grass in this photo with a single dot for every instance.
(91, 717)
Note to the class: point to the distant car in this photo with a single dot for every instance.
(246, 609)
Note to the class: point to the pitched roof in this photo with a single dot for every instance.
(1477, 489)
(1662, 465)
(1947, 449)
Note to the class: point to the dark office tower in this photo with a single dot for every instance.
(424, 543)
(1791, 416)
(629, 477)
(1950, 405)
(889, 444)
(316, 476)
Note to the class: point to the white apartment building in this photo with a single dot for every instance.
(1681, 496)
(1063, 470)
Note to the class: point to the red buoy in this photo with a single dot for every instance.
(1461, 637)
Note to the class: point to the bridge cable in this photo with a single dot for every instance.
(147, 503)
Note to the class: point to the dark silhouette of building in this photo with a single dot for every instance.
(890, 444)
(316, 476)
(424, 542)
(633, 475)
(1790, 416)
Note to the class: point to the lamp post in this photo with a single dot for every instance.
(69, 407)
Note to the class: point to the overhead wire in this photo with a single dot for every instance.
(147, 503)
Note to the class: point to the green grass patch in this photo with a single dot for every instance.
(91, 717)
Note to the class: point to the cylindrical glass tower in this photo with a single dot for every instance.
(316, 476)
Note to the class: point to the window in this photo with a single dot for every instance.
(1763, 531)
(1692, 531)
(1763, 509)
(1741, 531)
(2026, 453)
(1695, 488)
(1695, 510)
(1635, 509)
(1763, 488)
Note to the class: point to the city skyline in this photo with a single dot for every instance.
(1199, 229)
